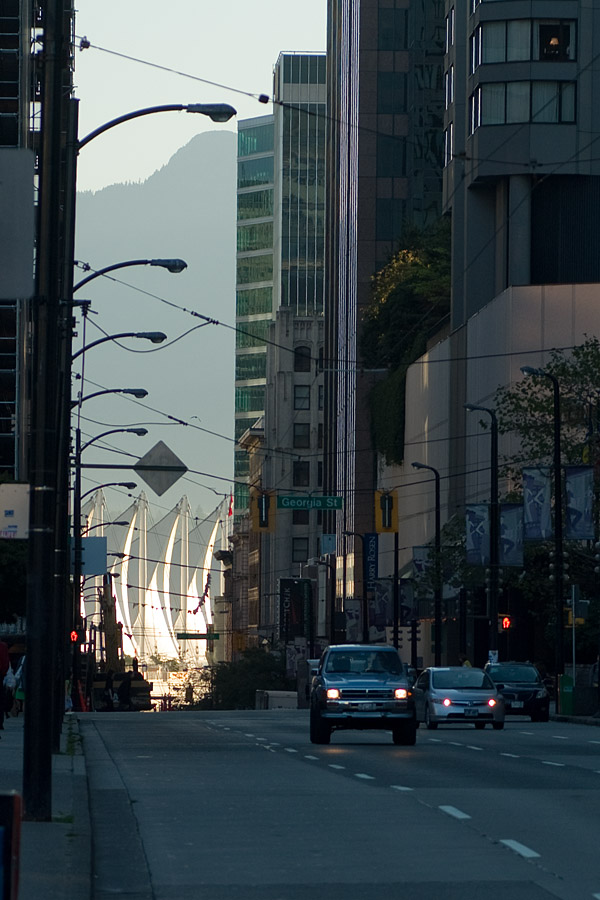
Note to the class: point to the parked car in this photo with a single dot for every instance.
(455, 694)
(523, 689)
(361, 686)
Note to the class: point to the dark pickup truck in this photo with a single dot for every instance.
(362, 686)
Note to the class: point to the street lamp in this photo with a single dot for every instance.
(217, 112)
(494, 589)
(134, 392)
(171, 265)
(558, 519)
(101, 525)
(437, 596)
(155, 337)
(365, 603)
(130, 485)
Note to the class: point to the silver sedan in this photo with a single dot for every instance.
(456, 694)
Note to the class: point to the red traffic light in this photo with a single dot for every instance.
(506, 623)
(74, 637)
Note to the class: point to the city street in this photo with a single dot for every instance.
(232, 805)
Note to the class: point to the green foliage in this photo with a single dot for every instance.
(410, 299)
(233, 685)
(526, 408)
(13, 579)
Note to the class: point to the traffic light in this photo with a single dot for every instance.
(386, 512)
(262, 510)
(504, 623)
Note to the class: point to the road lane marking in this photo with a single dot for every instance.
(249, 735)
(362, 775)
(435, 740)
(400, 787)
(512, 755)
(547, 762)
(454, 812)
(261, 739)
(334, 766)
(308, 756)
(521, 849)
(275, 744)
(593, 742)
(290, 750)
(596, 896)
(527, 732)
(560, 737)
(455, 744)
(472, 747)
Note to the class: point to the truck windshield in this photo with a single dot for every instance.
(359, 662)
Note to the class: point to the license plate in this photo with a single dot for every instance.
(516, 704)
(367, 707)
(471, 712)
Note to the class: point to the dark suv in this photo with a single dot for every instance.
(523, 690)
(362, 686)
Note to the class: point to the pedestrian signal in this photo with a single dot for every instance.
(262, 510)
(386, 512)
(505, 622)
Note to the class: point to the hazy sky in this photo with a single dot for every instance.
(233, 43)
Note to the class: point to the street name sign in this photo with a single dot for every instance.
(293, 501)
(194, 636)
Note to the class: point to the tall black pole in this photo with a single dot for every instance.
(558, 532)
(437, 601)
(396, 593)
(41, 639)
(494, 535)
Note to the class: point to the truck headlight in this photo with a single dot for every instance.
(400, 693)
(333, 694)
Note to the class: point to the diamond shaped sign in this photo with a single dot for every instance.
(160, 468)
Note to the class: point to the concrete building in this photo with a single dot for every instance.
(280, 303)
(521, 184)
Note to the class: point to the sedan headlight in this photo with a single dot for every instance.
(400, 693)
(492, 702)
(541, 694)
(333, 694)
(442, 701)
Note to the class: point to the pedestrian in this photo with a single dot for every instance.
(20, 678)
(4, 667)
(464, 661)
(124, 691)
(108, 694)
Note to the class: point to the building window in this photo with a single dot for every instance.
(258, 139)
(522, 39)
(448, 144)
(254, 301)
(450, 29)
(301, 396)
(392, 29)
(320, 436)
(252, 334)
(499, 103)
(321, 395)
(250, 398)
(255, 268)
(449, 86)
(391, 92)
(255, 205)
(255, 171)
(302, 359)
(302, 435)
(301, 473)
(299, 550)
(255, 237)
(554, 41)
(300, 516)
(391, 156)
(319, 474)
(252, 365)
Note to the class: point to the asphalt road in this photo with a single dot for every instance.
(240, 806)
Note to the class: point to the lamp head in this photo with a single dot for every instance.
(139, 431)
(417, 465)
(530, 370)
(135, 392)
(171, 265)
(218, 112)
(130, 485)
(156, 337)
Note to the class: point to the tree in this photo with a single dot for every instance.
(410, 300)
(233, 685)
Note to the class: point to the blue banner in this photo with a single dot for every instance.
(579, 504)
(371, 551)
(537, 519)
(511, 534)
(478, 535)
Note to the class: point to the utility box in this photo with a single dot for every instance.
(565, 695)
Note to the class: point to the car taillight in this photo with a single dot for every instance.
(400, 693)
(333, 694)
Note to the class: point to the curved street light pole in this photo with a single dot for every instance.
(156, 337)
(437, 595)
(130, 485)
(494, 589)
(218, 112)
(559, 652)
(175, 266)
(134, 392)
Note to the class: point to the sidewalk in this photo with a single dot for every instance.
(55, 859)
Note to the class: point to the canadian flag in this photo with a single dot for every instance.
(230, 513)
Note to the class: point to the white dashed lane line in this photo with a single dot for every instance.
(593, 742)
(334, 766)
(365, 777)
(512, 755)
(400, 787)
(290, 750)
(454, 812)
(307, 756)
(547, 762)
(435, 740)
(559, 737)
(521, 849)
(472, 747)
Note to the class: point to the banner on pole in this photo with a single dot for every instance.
(511, 534)
(537, 519)
(478, 534)
(579, 506)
